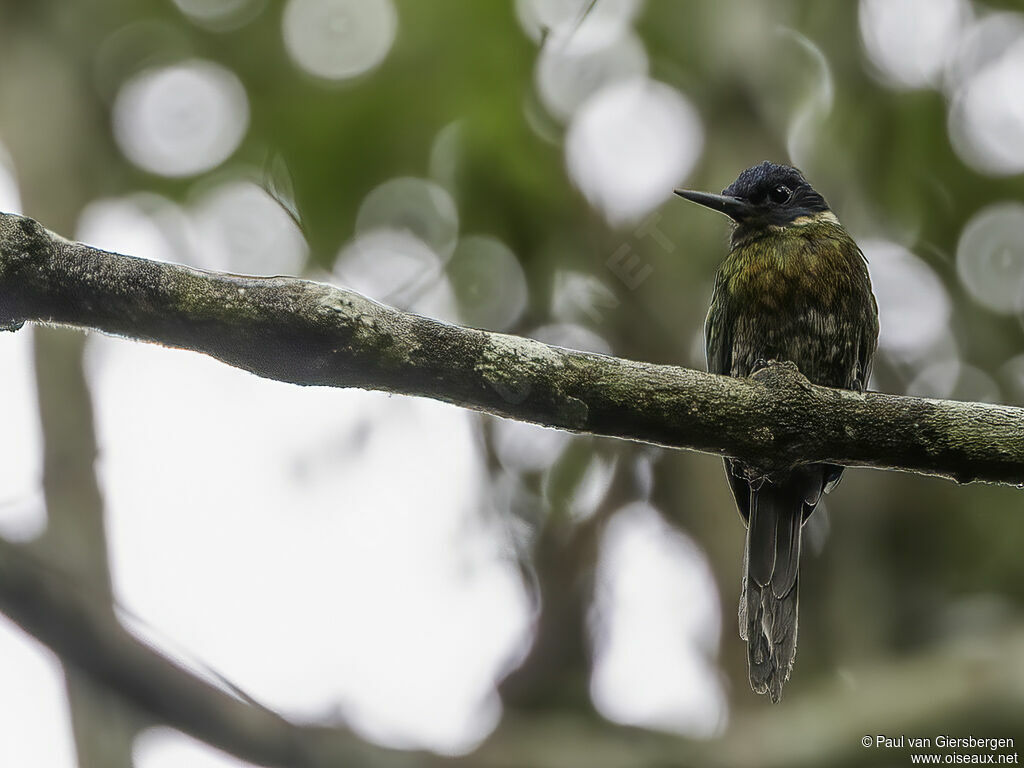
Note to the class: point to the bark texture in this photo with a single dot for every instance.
(315, 334)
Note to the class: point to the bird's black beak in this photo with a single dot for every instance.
(735, 208)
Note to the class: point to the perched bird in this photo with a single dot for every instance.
(794, 287)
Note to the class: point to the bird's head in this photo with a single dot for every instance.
(766, 195)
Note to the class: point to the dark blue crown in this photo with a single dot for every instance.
(757, 181)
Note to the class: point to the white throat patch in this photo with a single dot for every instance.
(817, 218)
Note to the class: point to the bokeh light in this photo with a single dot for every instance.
(571, 336)
(580, 296)
(136, 47)
(10, 196)
(954, 380)
(145, 225)
(565, 77)
(580, 26)
(446, 153)
(986, 116)
(522, 447)
(1012, 372)
(910, 41)
(814, 105)
(421, 208)
(913, 305)
(990, 257)
(220, 15)
(982, 42)
(489, 283)
(630, 144)
(182, 119)
(242, 229)
(658, 625)
(398, 269)
(232, 225)
(339, 39)
(592, 488)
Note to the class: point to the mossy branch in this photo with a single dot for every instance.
(315, 334)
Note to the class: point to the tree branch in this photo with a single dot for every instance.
(315, 334)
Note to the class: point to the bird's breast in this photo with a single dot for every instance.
(800, 298)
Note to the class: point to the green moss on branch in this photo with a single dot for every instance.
(315, 334)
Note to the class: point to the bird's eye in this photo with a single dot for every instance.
(780, 194)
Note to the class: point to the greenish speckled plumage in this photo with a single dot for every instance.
(799, 293)
(794, 287)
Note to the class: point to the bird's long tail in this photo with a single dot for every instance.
(769, 597)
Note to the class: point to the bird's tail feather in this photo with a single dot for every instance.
(769, 597)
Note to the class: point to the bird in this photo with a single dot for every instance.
(794, 287)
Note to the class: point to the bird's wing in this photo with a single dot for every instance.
(718, 350)
(868, 344)
(868, 341)
(718, 330)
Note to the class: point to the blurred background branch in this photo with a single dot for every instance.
(56, 185)
(66, 616)
(915, 695)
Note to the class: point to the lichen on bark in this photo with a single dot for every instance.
(311, 333)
